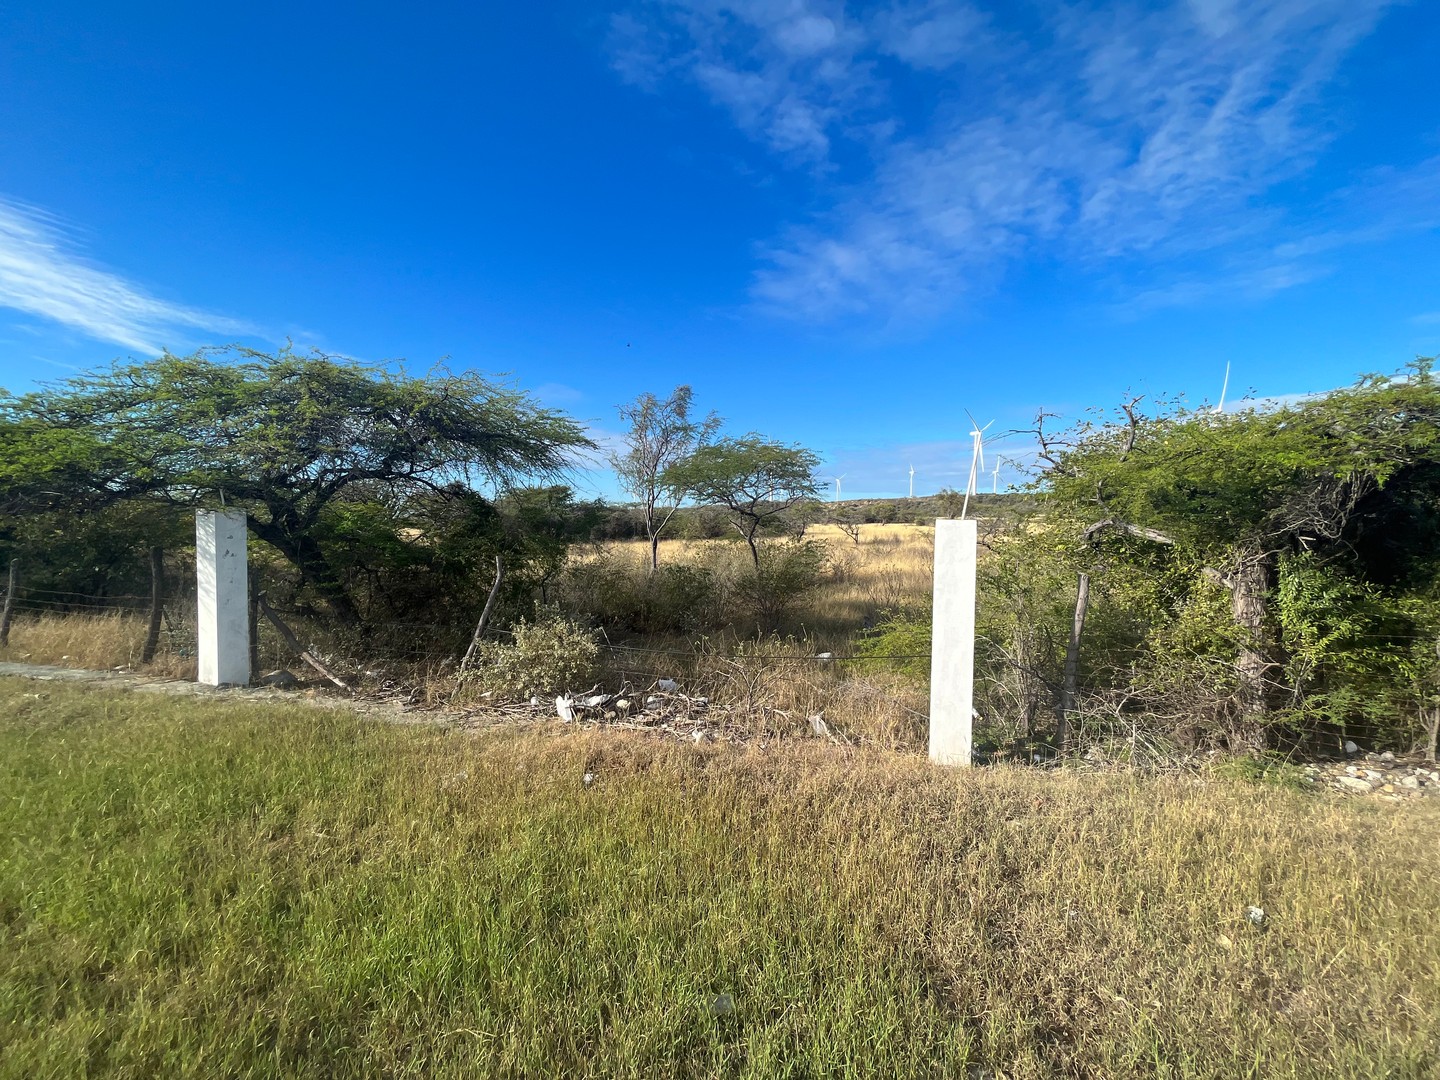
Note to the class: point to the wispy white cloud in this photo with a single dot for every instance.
(1103, 133)
(41, 274)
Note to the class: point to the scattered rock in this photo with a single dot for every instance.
(281, 680)
(1386, 775)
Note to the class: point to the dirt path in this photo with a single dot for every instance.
(394, 709)
(1380, 775)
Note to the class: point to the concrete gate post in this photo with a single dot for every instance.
(952, 646)
(222, 589)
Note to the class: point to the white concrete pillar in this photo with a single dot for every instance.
(223, 590)
(952, 644)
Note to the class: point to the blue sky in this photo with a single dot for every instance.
(844, 225)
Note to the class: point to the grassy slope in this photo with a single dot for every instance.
(215, 889)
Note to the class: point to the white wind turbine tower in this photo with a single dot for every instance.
(837, 480)
(912, 480)
(977, 462)
(995, 476)
(1224, 386)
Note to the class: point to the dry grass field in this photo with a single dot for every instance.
(889, 569)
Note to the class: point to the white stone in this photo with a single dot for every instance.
(952, 649)
(223, 598)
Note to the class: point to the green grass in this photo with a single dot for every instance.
(1269, 768)
(199, 888)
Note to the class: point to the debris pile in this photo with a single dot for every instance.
(1384, 775)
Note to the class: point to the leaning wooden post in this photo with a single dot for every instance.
(222, 590)
(294, 642)
(1070, 687)
(254, 626)
(484, 616)
(952, 647)
(9, 611)
(157, 602)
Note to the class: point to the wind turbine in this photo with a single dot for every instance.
(837, 480)
(995, 476)
(1225, 386)
(977, 461)
(912, 480)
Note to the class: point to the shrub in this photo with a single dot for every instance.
(678, 598)
(787, 572)
(547, 657)
(899, 634)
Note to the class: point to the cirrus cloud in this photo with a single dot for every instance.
(41, 274)
(947, 141)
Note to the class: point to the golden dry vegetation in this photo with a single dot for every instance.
(872, 701)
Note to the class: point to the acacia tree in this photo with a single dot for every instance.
(1329, 486)
(660, 436)
(286, 437)
(757, 481)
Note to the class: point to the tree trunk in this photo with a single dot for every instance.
(1069, 689)
(1249, 602)
(654, 552)
(286, 537)
(157, 598)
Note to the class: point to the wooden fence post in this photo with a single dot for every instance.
(1070, 687)
(294, 642)
(157, 604)
(484, 616)
(9, 611)
(254, 627)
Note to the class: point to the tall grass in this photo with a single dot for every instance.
(889, 570)
(192, 888)
(100, 641)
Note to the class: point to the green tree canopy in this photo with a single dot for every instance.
(286, 437)
(1341, 489)
(661, 435)
(756, 480)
